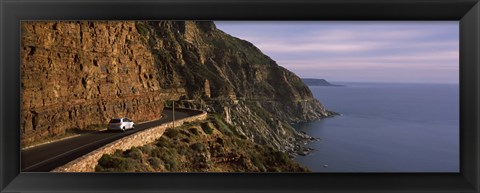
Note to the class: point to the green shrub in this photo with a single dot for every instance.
(200, 162)
(171, 164)
(147, 149)
(223, 127)
(257, 162)
(169, 157)
(182, 151)
(198, 147)
(193, 130)
(282, 157)
(226, 128)
(155, 152)
(118, 153)
(186, 133)
(155, 162)
(162, 142)
(206, 128)
(135, 153)
(171, 133)
(110, 163)
(185, 140)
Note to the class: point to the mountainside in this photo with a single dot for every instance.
(76, 74)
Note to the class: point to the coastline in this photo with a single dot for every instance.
(300, 146)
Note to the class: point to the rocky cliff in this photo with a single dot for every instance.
(79, 73)
(232, 77)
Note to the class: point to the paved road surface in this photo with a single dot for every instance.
(45, 158)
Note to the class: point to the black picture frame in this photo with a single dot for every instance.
(465, 11)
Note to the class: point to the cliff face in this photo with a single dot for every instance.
(78, 74)
(75, 74)
(232, 77)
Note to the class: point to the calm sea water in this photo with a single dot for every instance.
(386, 128)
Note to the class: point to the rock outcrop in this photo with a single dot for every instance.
(76, 74)
(233, 78)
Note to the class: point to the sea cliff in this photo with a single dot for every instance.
(78, 74)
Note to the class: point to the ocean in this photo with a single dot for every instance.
(385, 128)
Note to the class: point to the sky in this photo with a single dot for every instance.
(363, 51)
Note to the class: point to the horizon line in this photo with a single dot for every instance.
(380, 82)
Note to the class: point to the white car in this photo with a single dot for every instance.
(120, 124)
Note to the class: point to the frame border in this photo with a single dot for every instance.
(466, 11)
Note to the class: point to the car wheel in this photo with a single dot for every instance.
(123, 129)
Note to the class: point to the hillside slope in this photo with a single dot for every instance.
(206, 146)
(77, 74)
(232, 77)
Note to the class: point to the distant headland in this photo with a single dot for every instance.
(317, 82)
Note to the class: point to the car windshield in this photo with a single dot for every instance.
(115, 121)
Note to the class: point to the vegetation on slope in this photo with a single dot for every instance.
(208, 146)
